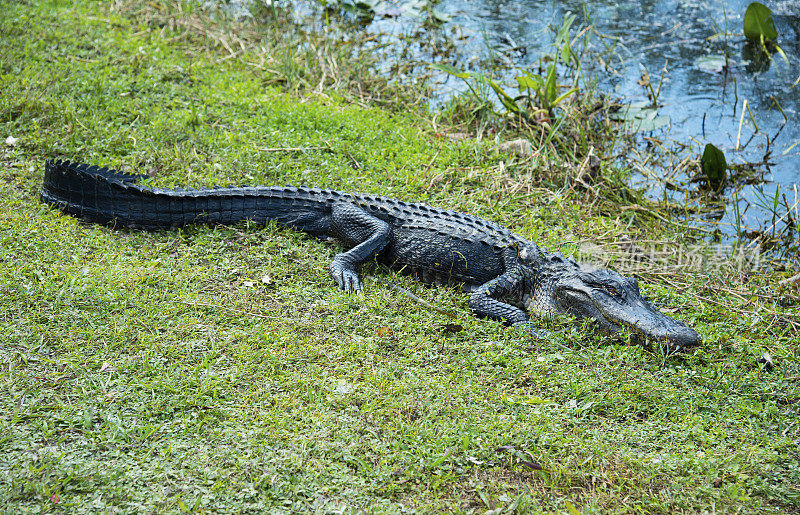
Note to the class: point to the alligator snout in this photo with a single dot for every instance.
(678, 335)
(649, 323)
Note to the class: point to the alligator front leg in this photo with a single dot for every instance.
(483, 301)
(368, 235)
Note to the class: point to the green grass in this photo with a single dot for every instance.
(219, 369)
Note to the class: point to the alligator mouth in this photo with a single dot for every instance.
(637, 316)
(646, 322)
(673, 333)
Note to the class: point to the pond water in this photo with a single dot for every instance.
(683, 42)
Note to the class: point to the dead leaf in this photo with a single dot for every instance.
(766, 360)
(521, 147)
(451, 328)
(384, 332)
(107, 366)
(11, 141)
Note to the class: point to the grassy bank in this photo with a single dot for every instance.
(219, 369)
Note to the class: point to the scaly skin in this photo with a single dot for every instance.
(498, 268)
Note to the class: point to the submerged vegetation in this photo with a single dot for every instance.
(218, 369)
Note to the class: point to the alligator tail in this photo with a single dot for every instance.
(106, 196)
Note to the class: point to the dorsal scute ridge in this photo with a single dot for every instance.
(417, 214)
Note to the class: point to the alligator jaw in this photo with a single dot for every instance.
(646, 321)
(615, 303)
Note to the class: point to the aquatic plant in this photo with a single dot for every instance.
(540, 90)
(714, 166)
(758, 24)
(759, 27)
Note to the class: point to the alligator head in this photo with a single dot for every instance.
(612, 300)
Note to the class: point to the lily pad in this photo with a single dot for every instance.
(640, 117)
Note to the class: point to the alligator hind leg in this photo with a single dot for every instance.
(368, 235)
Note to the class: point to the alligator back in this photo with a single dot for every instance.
(106, 196)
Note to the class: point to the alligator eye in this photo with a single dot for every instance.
(612, 291)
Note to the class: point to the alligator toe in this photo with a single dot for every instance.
(347, 280)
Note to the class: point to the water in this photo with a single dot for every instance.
(703, 101)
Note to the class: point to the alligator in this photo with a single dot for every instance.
(506, 275)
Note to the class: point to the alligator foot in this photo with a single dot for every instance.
(346, 276)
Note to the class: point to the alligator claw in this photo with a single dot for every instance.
(347, 280)
(353, 283)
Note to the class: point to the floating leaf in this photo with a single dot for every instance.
(758, 23)
(714, 166)
(640, 117)
(711, 63)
